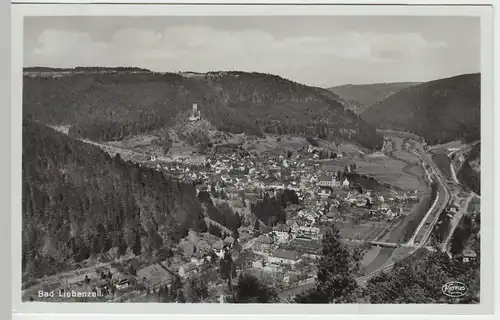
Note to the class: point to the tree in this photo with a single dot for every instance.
(213, 229)
(137, 249)
(335, 279)
(369, 203)
(418, 279)
(457, 241)
(256, 226)
(250, 290)
(359, 188)
(132, 270)
(180, 296)
(201, 226)
(289, 197)
(197, 290)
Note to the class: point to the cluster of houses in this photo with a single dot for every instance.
(321, 194)
(231, 174)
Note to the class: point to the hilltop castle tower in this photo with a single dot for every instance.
(195, 113)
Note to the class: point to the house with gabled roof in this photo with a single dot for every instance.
(263, 243)
(307, 247)
(284, 257)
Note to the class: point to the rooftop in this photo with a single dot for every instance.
(286, 254)
(325, 178)
(306, 245)
(264, 239)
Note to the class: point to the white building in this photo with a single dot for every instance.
(309, 231)
(325, 192)
(346, 183)
(329, 182)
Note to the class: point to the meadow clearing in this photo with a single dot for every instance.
(364, 231)
(394, 172)
(406, 156)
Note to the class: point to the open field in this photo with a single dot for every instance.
(274, 145)
(137, 148)
(335, 164)
(399, 134)
(449, 145)
(359, 232)
(390, 171)
(406, 156)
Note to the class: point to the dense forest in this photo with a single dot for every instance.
(78, 202)
(468, 175)
(440, 111)
(271, 209)
(111, 106)
(420, 278)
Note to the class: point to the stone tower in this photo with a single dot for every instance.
(195, 113)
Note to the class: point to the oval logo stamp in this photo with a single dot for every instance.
(454, 289)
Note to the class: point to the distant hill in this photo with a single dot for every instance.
(440, 111)
(111, 106)
(82, 69)
(361, 97)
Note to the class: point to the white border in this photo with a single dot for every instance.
(260, 2)
(486, 306)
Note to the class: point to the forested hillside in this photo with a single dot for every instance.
(361, 97)
(78, 202)
(110, 106)
(440, 111)
(419, 280)
(470, 172)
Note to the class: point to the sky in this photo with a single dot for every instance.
(322, 51)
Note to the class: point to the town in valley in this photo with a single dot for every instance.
(247, 187)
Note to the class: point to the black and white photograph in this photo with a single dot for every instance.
(251, 159)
